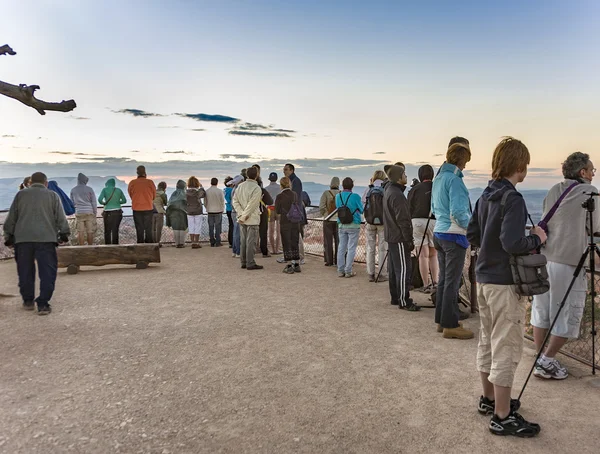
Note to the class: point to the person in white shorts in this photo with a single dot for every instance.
(567, 241)
(419, 202)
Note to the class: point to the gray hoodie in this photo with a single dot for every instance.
(83, 197)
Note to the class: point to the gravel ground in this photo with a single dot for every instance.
(195, 355)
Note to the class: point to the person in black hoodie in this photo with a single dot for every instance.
(399, 236)
(498, 229)
(423, 222)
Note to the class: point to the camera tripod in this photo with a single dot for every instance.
(589, 253)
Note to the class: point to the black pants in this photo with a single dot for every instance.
(112, 221)
(143, 226)
(230, 230)
(330, 242)
(263, 232)
(290, 238)
(400, 272)
(26, 254)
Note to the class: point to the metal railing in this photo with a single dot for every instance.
(579, 349)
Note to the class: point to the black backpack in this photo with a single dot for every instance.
(344, 214)
(374, 206)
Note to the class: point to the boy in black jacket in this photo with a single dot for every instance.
(499, 232)
(397, 229)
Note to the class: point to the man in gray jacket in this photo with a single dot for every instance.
(35, 224)
(86, 208)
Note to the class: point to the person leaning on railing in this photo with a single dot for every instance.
(330, 227)
(177, 214)
(112, 198)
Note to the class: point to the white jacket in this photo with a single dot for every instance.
(246, 201)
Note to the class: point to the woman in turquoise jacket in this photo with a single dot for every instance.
(112, 198)
(348, 233)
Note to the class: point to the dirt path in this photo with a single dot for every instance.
(196, 355)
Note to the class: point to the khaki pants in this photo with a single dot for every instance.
(86, 223)
(502, 315)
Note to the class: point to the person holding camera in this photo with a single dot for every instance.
(567, 240)
(497, 227)
(35, 224)
(398, 232)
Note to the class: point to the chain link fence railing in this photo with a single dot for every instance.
(579, 349)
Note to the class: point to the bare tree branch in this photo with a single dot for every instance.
(26, 93)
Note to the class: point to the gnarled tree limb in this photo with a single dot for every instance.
(26, 93)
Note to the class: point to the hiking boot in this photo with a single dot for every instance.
(255, 267)
(44, 310)
(371, 278)
(28, 305)
(487, 406)
(289, 269)
(514, 424)
(297, 268)
(458, 333)
(441, 330)
(550, 371)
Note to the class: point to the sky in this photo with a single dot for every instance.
(338, 87)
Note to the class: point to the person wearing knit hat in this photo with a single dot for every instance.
(399, 236)
(330, 227)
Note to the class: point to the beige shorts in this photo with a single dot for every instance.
(502, 315)
(419, 231)
(86, 223)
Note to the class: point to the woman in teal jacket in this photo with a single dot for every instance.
(348, 233)
(112, 198)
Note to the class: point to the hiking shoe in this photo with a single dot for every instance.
(44, 310)
(281, 260)
(551, 371)
(255, 267)
(297, 268)
(439, 328)
(412, 307)
(426, 289)
(487, 406)
(28, 305)
(289, 269)
(458, 333)
(514, 424)
(371, 278)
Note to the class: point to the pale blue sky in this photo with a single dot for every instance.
(360, 80)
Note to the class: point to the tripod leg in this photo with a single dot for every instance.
(381, 266)
(560, 307)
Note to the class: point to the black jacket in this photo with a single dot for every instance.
(283, 204)
(397, 226)
(419, 200)
(497, 239)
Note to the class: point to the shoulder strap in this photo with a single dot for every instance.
(503, 202)
(111, 196)
(556, 205)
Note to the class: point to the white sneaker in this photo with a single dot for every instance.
(302, 262)
(552, 370)
(237, 256)
(233, 255)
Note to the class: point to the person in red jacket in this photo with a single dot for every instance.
(142, 192)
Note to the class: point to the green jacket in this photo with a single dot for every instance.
(36, 216)
(111, 197)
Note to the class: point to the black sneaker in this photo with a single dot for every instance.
(44, 310)
(297, 268)
(28, 305)
(514, 424)
(487, 406)
(412, 307)
(255, 267)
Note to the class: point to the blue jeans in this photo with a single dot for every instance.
(26, 254)
(347, 249)
(236, 234)
(214, 228)
(451, 258)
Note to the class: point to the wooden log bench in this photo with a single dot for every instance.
(140, 255)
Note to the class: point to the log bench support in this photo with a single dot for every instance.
(140, 255)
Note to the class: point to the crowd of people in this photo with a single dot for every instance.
(435, 223)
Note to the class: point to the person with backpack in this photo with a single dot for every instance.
(372, 200)
(498, 227)
(290, 171)
(419, 203)
(286, 204)
(397, 229)
(330, 227)
(349, 213)
(568, 237)
(111, 198)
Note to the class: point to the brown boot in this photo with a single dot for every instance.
(458, 333)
